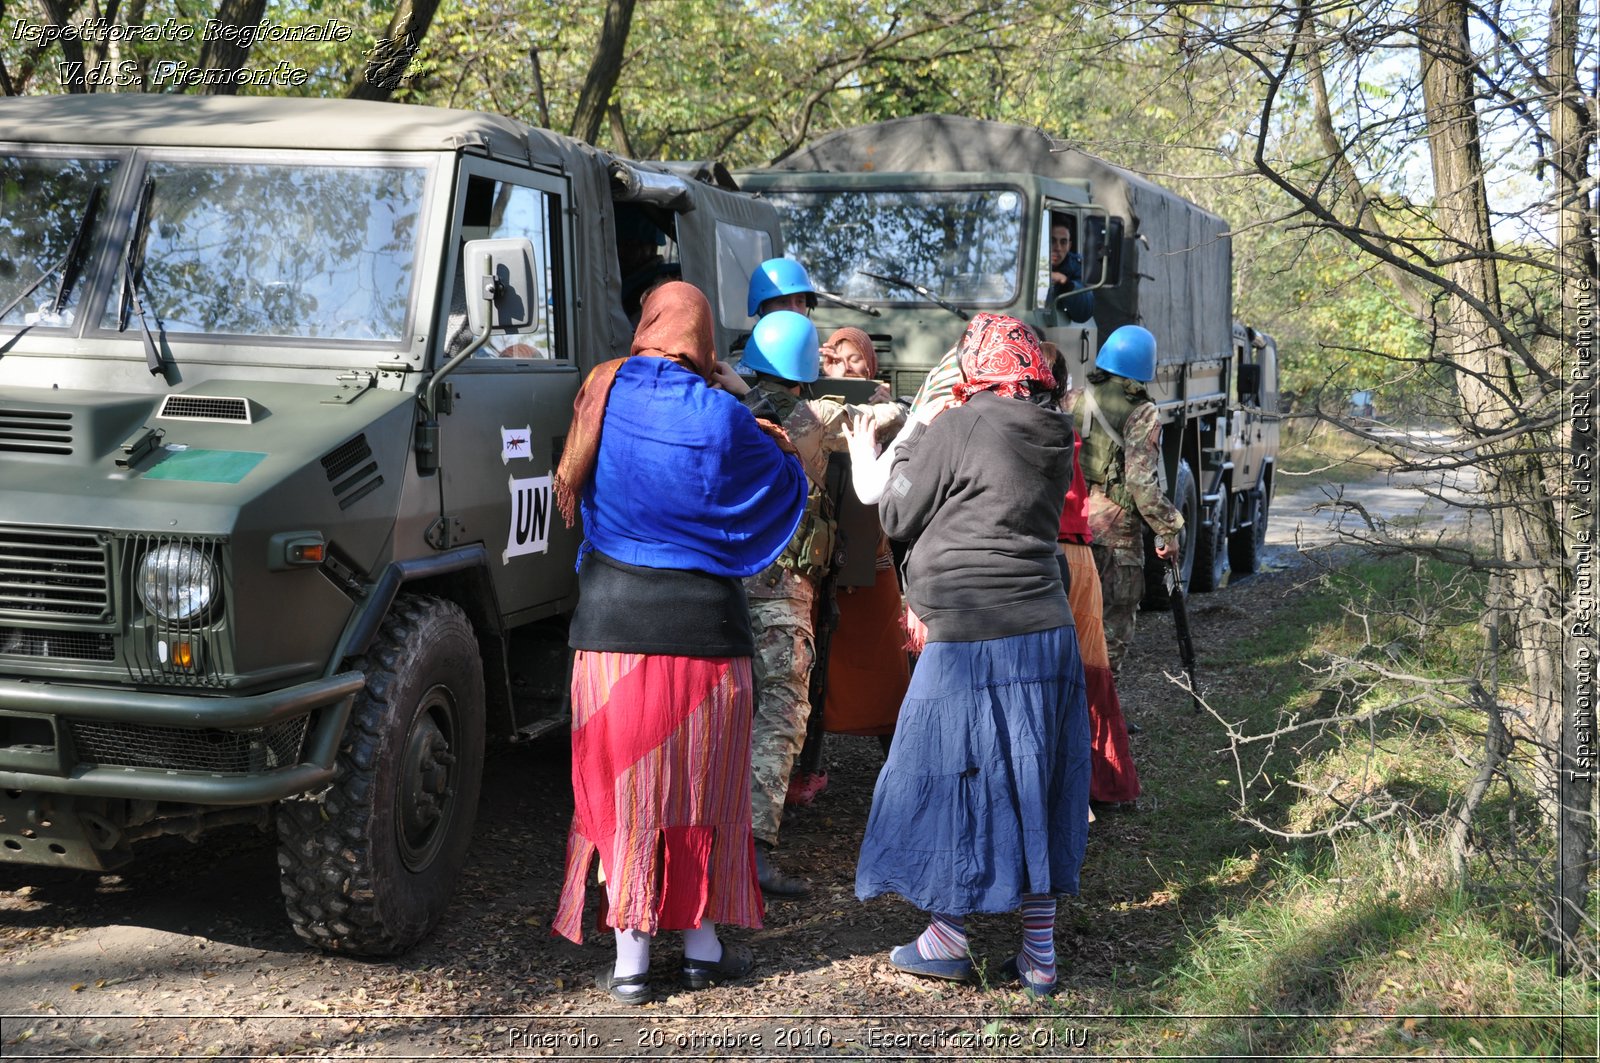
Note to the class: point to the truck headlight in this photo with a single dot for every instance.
(176, 582)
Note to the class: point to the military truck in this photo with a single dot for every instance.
(923, 221)
(282, 387)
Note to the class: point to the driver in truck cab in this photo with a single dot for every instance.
(1121, 459)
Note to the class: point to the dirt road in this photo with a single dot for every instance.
(187, 952)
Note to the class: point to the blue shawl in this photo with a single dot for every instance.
(686, 479)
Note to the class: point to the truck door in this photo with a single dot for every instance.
(510, 404)
(1245, 433)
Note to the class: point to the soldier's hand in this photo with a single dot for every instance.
(1166, 549)
(723, 378)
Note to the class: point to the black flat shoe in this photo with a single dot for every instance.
(736, 962)
(775, 883)
(632, 990)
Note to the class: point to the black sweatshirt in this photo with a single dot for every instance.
(979, 492)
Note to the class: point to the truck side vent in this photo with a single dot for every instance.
(205, 408)
(53, 575)
(189, 749)
(60, 645)
(35, 431)
(351, 471)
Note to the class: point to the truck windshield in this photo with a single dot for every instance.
(283, 250)
(46, 202)
(964, 246)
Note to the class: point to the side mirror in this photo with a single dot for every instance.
(1249, 382)
(502, 285)
(1102, 252)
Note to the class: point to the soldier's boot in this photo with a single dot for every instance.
(774, 882)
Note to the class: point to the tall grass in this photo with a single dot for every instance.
(1302, 946)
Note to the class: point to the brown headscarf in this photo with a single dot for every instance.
(675, 323)
(860, 341)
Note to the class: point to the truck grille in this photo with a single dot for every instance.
(54, 575)
(35, 431)
(184, 749)
(61, 645)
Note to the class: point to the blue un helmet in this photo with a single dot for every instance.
(775, 277)
(784, 345)
(1130, 351)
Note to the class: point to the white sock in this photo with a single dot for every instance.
(633, 953)
(702, 943)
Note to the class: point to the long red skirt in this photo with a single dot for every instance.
(1112, 776)
(661, 789)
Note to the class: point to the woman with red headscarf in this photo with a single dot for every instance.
(683, 493)
(983, 804)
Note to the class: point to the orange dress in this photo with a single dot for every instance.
(867, 668)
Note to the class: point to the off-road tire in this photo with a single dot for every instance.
(368, 866)
(1245, 545)
(1187, 499)
(1211, 559)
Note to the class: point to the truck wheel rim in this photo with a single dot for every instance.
(427, 781)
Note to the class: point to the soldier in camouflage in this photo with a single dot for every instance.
(1121, 460)
(784, 352)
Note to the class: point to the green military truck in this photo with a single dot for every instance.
(923, 221)
(283, 384)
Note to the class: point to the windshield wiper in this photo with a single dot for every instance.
(67, 262)
(902, 282)
(73, 261)
(132, 267)
(851, 304)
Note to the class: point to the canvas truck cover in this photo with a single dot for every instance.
(129, 120)
(1177, 264)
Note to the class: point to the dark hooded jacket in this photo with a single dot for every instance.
(979, 492)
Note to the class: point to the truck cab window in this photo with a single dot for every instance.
(647, 253)
(501, 210)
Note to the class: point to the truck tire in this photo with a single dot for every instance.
(368, 866)
(1187, 499)
(1244, 545)
(1211, 549)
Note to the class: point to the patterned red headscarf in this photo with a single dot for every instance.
(1002, 355)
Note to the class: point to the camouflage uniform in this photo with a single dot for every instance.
(1129, 493)
(782, 604)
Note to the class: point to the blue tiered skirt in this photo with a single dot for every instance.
(985, 796)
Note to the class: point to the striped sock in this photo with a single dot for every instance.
(945, 938)
(1038, 957)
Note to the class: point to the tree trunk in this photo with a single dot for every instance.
(386, 65)
(1512, 475)
(594, 99)
(73, 69)
(221, 54)
(1572, 130)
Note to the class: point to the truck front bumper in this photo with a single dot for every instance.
(116, 743)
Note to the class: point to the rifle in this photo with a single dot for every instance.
(1180, 622)
(833, 486)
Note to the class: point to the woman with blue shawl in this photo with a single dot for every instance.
(683, 493)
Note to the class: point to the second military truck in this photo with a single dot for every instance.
(923, 221)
